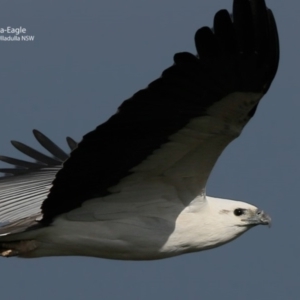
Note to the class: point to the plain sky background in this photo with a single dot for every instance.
(89, 56)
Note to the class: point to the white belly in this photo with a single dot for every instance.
(135, 238)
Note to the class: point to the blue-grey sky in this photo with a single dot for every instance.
(89, 56)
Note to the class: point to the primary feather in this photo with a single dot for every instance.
(25, 187)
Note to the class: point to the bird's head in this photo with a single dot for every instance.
(235, 217)
(220, 221)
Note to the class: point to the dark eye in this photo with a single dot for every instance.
(238, 211)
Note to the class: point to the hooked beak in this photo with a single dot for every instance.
(258, 217)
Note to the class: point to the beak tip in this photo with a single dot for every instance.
(264, 218)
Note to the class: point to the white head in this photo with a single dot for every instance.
(229, 219)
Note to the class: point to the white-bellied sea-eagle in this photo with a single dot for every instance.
(134, 188)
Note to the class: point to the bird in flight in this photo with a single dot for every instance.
(134, 188)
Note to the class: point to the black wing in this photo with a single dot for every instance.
(240, 54)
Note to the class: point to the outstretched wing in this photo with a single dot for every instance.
(174, 131)
(25, 186)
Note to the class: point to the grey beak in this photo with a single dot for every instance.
(263, 218)
(259, 217)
